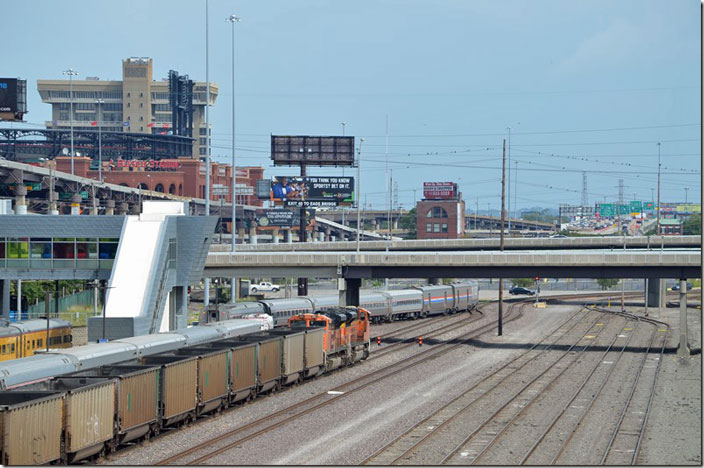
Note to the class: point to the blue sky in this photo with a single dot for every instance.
(585, 86)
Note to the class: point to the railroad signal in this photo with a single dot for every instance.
(420, 341)
(378, 341)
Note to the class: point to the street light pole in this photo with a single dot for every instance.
(71, 72)
(359, 184)
(98, 116)
(206, 281)
(233, 285)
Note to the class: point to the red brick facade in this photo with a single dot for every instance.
(440, 219)
(182, 176)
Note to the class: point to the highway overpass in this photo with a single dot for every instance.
(595, 263)
(510, 243)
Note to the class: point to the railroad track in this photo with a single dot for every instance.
(231, 439)
(453, 323)
(419, 325)
(520, 398)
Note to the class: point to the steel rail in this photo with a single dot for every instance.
(425, 421)
(574, 396)
(427, 355)
(628, 402)
(510, 400)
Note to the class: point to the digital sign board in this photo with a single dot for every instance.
(312, 191)
(8, 95)
(312, 150)
(283, 218)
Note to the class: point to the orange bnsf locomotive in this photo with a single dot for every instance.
(346, 337)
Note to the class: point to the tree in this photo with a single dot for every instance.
(692, 226)
(607, 283)
(408, 223)
(523, 282)
(542, 216)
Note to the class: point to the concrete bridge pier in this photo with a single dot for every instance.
(683, 348)
(122, 208)
(94, 206)
(109, 207)
(135, 208)
(240, 233)
(20, 199)
(275, 236)
(53, 206)
(253, 233)
(76, 204)
(289, 236)
(348, 290)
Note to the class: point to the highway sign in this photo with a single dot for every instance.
(606, 210)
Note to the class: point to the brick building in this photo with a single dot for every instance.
(440, 215)
(183, 176)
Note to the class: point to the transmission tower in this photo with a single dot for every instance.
(585, 200)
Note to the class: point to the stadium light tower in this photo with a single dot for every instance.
(233, 286)
(70, 72)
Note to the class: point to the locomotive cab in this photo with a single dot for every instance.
(346, 338)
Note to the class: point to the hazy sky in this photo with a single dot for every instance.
(585, 86)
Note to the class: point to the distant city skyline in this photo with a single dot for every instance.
(585, 86)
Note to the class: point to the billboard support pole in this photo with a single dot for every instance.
(303, 282)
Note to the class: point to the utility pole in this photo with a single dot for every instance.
(388, 188)
(509, 179)
(501, 242)
(99, 117)
(657, 209)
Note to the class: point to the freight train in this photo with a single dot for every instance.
(384, 306)
(22, 339)
(133, 388)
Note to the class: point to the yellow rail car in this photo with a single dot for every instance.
(22, 339)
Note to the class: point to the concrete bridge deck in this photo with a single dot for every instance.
(595, 242)
(672, 263)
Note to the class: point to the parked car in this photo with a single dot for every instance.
(264, 286)
(519, 290)
(676, 287)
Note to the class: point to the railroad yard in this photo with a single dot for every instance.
(565, 384)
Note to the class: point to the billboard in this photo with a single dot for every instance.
(293, 191)
(689, 208)
(439, 190)
(312, 150)
(8, 95)
(283, 218)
